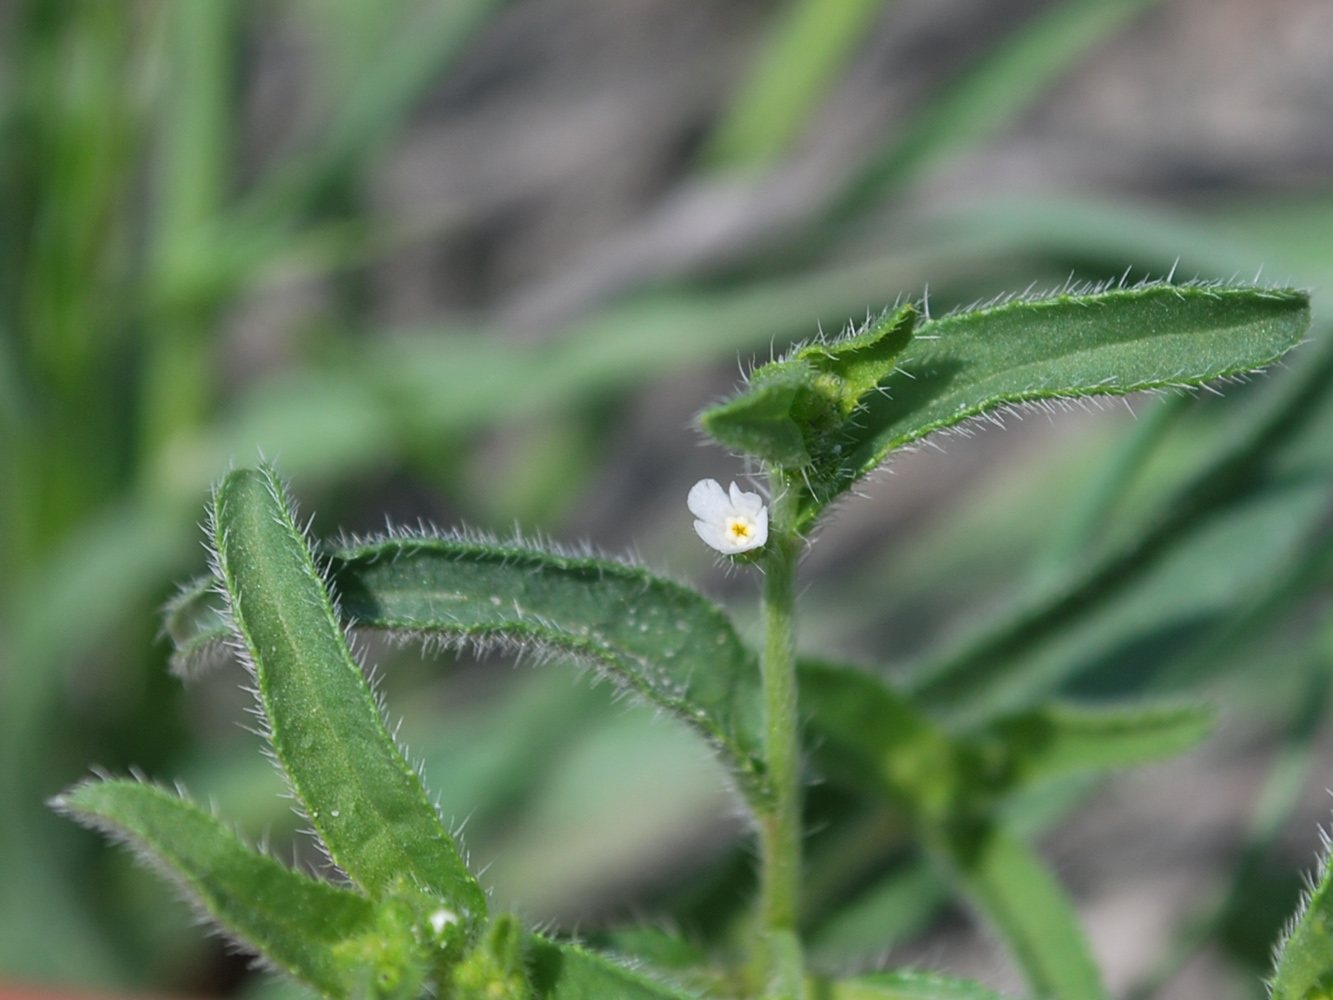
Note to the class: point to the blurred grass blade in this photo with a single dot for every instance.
(807, 47)
(968, 673)
(193, 170)
(902, 986)
(559, 971)
(366, 803)
(1272, 814)
(296, 922)
(884, 915)
(990, 94)
(1059, 739)
(1114, 477)
(430, 38)
(262, 225)
(662, 641)
(1024, 904)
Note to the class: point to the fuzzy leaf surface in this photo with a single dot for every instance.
(568, 972)
(366, 803)
(960, 367)
(677, 650)
(666, 643)
(1305, 957)
(296, 922)
(794, 412)
(1115, 342)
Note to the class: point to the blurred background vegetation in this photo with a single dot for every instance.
(480, 261)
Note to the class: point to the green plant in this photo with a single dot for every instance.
(942, 754)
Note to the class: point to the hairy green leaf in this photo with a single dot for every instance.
(568, 972)
(363, 799)
(1305, 956)
(902, 986)
(1058, 739)
(660, 640)
(1023, 351)
(793, 411)
(761, 422)
(1068, 346)
(301, 925)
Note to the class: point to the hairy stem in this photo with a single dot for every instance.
(780, 825)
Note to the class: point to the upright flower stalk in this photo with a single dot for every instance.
(780, 826)
(735, 522)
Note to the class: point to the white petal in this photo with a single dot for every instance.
(747, 503)
(712, 535)
(707, 501)
(760, 529)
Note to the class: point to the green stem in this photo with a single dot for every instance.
(780, 825)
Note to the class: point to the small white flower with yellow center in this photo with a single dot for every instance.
(731, 524)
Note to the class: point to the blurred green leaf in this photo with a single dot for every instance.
(902, 986)
(972, 672)
(363, 799)
(310, 929)
(863, 730)
(1028, 909)
(1057, 739)
(885, 914)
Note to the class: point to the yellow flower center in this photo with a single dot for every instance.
(739, 528)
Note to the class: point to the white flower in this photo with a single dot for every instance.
(730, 524)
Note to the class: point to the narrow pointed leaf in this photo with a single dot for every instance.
(1059, 739)
(1068, 346)
(662, 641)
(296, 922)
(903, 986)
(1305, 956)
(363, 799)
